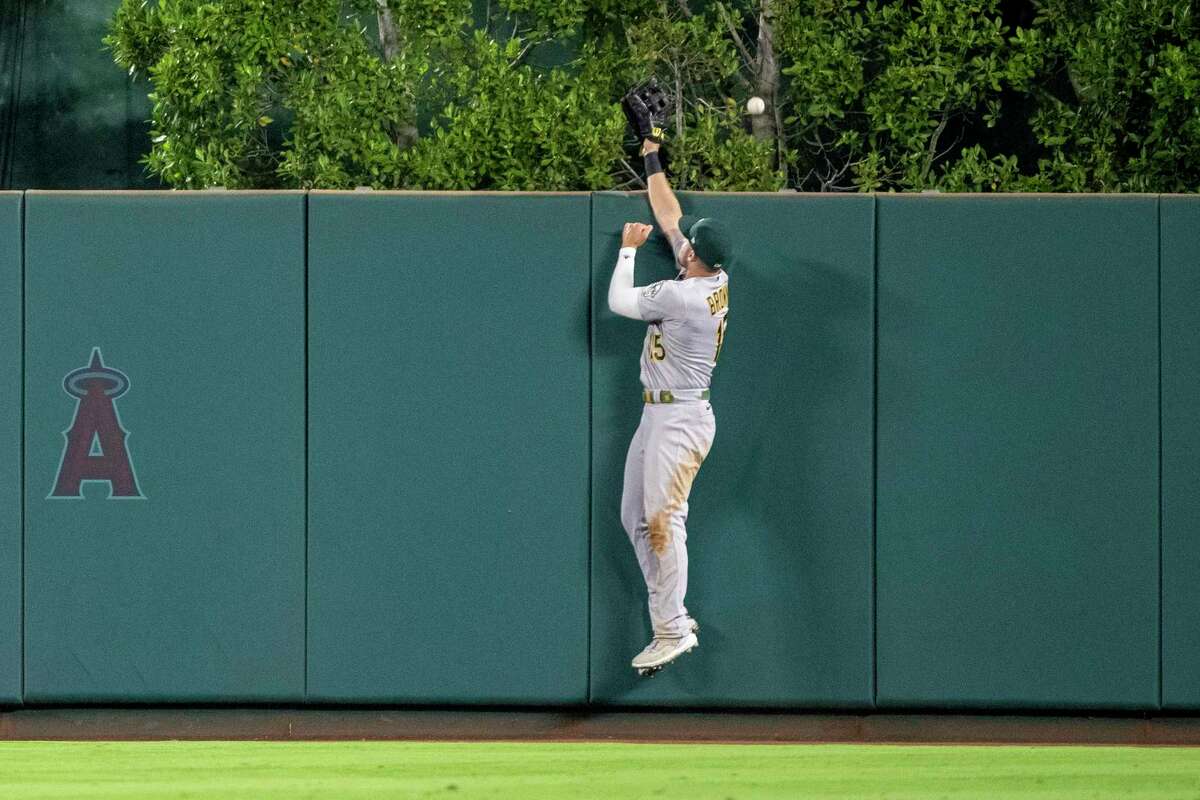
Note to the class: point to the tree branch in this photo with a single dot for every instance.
(931, 152)
(636, 177)
(404, 135)
(831, 181)
(389, 39)
(528, 45)
(957, 140)
(767, 127)
(748, 59)
(678, 103)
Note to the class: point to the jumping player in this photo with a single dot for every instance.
(687, 319)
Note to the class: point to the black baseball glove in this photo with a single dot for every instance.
(647, 108)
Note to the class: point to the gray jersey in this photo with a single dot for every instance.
(687, 327)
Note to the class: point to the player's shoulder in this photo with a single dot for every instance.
(702, 287)
(660, 290)
(709, 296)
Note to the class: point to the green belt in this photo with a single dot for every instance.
(665, 396)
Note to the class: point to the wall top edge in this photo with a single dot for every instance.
(1022, 195)
(439, 193)
(694, 193)
(609, 193)
(166, 192)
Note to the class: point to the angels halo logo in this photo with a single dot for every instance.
(95, 447)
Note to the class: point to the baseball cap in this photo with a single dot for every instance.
(709, 239)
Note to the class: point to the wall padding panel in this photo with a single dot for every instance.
(1181, 451)
(10, 435)
(1017, 517)
(779, 528)
(448, 428)
(189, 312)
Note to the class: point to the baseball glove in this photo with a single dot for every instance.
(647, 107)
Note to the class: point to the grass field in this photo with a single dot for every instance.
(267, 770)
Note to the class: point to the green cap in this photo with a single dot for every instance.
(709, 239)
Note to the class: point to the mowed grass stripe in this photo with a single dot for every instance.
(267, 770)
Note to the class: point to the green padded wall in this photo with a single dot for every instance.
(1017, 506)
(1180, 242)
(196, 591)
(448, 448)
(10, 435)
(779, 530)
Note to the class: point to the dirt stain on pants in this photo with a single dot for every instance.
(678, 489)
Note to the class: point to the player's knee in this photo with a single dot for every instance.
(660, 532)
(631, 520)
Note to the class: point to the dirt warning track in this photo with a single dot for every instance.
(317, 724)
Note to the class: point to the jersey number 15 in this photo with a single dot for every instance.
(657, 351)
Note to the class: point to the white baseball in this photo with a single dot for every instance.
(755, 105)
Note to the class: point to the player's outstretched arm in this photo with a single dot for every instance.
(622, 294)
(663, 202)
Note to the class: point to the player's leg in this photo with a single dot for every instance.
(633, 513)
(701, 429)
(677, 443)
(633, 518)
(678, 439)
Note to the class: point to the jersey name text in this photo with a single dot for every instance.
(718, 299)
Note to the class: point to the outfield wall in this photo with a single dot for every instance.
(10, 435)
(376, 443)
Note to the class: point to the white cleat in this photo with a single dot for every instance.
(662, 651)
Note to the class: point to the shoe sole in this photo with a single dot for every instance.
(687, 647)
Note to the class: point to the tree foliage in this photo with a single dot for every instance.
(883, 95)
(264, 93)
(1127, 115)
(509, 127)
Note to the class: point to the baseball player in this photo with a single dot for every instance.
(687, 318)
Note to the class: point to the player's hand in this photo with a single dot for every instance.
(650, 146)
(635, 234)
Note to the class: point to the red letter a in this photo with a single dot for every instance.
(96, 423)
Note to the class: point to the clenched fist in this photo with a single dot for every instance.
(635, 234)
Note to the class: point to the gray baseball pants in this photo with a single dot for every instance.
(671, 443)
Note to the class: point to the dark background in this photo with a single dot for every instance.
(70, 118)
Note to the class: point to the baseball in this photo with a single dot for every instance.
(755, 105)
